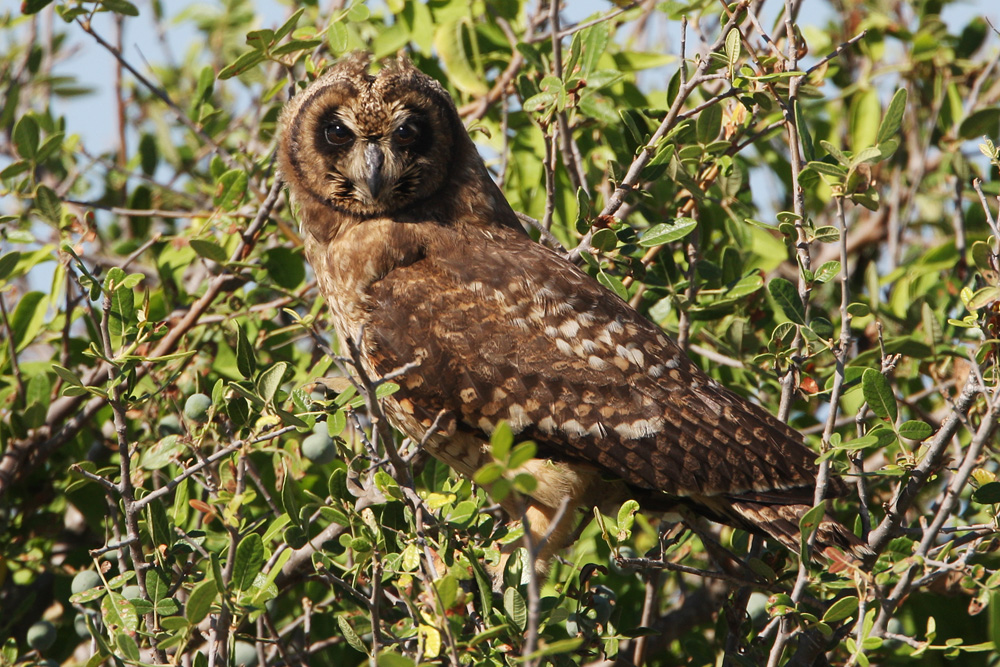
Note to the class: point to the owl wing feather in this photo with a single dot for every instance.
(505, 329)
(419, 255)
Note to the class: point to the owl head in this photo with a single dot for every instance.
(370, 144)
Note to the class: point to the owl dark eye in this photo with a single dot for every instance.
(406, 134)
(338, 134)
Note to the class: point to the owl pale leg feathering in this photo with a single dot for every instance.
(423, 262)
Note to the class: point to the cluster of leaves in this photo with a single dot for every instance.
(188, 477)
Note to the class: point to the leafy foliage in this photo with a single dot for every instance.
(187, 472)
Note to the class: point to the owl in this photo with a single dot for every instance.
(425, 267)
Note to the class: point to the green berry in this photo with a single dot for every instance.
(244, 654)
(41, 636)
(80, 625)
(84, 581)
(132, 592)
(196, 408)
(169, 425)
(319, 448)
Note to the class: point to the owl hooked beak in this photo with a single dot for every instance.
(374, 158)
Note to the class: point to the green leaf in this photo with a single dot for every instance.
(270, 380)
(893, 118)
(48, 204)
(514, 608)
(200, 601)
(604, 240)
(979, 123)
(787, 297)
(119, 613)
(156, 585)
(666, 233)
(982, 256)
(808, 148)
(25, 137)
(841, 609)
(501, 441)
(987, 494)
(260, 39)
(209, 250)
(522, 453)
(915, 430)
(488, 473)
(808, 524)
(244, 63)
(238, 409)
(878, 394)
(593, 43)
(231, 189)
(285, 267)
(870, 155)
(33, 7)
(27, 320)
(289, 24)
(8, 262)
(984, 297)
(613, 284)
(127, 646)
(994, 617)
(388, 659)
(246, 361)
(67, 375)
(449, 42)
(122, 314)
(350, 635)
(556, 647)
(827, 169)
(859, 309)
(626, 518)
(709, 124)
(248, 561)
(296, 45)
(447, 591)
(734, 48)
(865, 113)
(745, 286)
(120, 7)
(827, 271)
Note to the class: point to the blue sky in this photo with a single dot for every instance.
(93, 66)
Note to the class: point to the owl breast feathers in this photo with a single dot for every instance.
(423, 262)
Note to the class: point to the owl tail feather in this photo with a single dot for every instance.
(781, 522)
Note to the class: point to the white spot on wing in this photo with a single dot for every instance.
(640, 428)
(569, 328)
(517, 418)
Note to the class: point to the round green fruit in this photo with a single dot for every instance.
(80, 625)
(244, 654)
(84, 581)
(319, 448)
(196, 408)
(169, 425)
(41, 636)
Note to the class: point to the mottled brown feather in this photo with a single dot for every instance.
(503, 329)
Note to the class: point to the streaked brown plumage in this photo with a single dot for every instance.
(421, 259)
